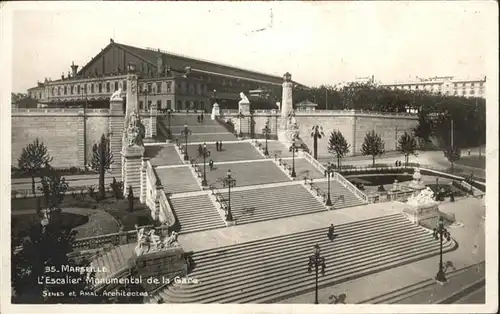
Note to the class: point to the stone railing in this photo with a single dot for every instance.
(350, 187)
(118, 238)
(166, 214)
(314, 162)
(152, 185)
(352, 112)
(221, 201)
(315, 188)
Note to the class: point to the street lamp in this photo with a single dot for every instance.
(186, 132)
(229, 182)
(169, 117)
(316, 261)
(439, 233)
(328, 173)
(205, 153)
(146, 92)
(293, 149)
(215, 96)
(267, 131)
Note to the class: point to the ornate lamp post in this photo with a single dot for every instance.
(439, 233)
(293, 149)
(328, 173)
(215, 96)
(267, 131)
(316, 261)
(186, 132)
(169, 117)
(229, 182)
(205, 154)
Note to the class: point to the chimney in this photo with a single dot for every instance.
(62, 76)
(74, 69)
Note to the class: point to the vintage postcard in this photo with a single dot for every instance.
(250, 157)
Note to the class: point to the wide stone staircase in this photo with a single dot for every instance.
(196, 213)
(304, 168)
(230, 152)
(113, 260)
(340, 196)
(247, 173)
(208, 131)
(273, 269)
(271, 203)
(177, 179)
(162, 155)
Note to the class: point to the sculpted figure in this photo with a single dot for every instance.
(116, 95)
(135, 131)
(244, 98)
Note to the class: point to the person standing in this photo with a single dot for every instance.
(220, 146)
(201, 117)
(217, 145)
(331, 232)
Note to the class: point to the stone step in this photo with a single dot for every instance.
(267, 270)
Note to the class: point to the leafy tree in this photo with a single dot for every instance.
(425, 127)
(373, 145)
(337, 146)
(407, 146)
(102, 158)
(53, 188)
(37, 259)
(317, 133)
(33, 158)
(452, 153)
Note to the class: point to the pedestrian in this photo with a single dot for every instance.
(200, 150)
(396, 163)
(201, 117)
(220, 146)
(211, 164)
(331, 231)
(217, 145)
(468, 152)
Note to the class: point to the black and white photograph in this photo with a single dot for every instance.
(258, 157)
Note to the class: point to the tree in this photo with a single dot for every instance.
(33, 158)
(53, 189)
(317, 133)
(373, 145)
(452, 153)
(102, 158)
(424, 128)
(38, 258)
(337, 146)
(407, 146)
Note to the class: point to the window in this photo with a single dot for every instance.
(472, 85)
(178, 105)
(78, 89)
(158, 87)
(455, 93)
(481, 84)
(158, 104)
(463, 84)
(116, 85)
(150, 87)
(108, 87)
(183, 87)
(141, 104)
(202, 104)
(65, 90)
(149, 104)
(100, 87)
(92, 88)
(124, 85)
(169, 104)
(169, 87)
(472, 92)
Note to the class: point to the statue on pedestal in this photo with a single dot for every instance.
(244, 99)
(135, 130)
(426, 196)
(148, 242)
(116, 95)
(292, 127)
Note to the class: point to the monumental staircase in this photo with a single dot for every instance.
(273, 269)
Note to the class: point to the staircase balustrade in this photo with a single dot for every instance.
(350, 187)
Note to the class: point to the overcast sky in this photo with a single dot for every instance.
(319, 43)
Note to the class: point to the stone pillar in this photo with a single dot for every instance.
(132, 163)
(286, 101)
(115, 132)
(153, 119)
(244, 108)
(132, 103)
(81, 139)
(144, 183)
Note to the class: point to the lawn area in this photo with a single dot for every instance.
(472, 161)
(102, 217)
(376, 180)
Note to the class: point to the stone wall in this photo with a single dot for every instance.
(68, 134)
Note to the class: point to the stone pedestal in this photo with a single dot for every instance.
(415, 213)
(131, 168)
(215, 112)
(287, 101)
(163, 265)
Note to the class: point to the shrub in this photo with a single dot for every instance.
(73, 170)
(90, 190)
(380, 188)
(117, 188)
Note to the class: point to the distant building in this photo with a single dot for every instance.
(306, 105)
(445, 85)
(166, 79)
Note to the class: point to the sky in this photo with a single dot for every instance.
(318, 43)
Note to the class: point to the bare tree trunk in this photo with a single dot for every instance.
(33, 184)
(315, 147)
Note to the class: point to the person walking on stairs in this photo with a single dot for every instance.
(201, 117)
(331, 232)
(217, 145)
(198, 118)
(220, 146)
(211, 164)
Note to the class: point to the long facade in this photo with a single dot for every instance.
(168, 80)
